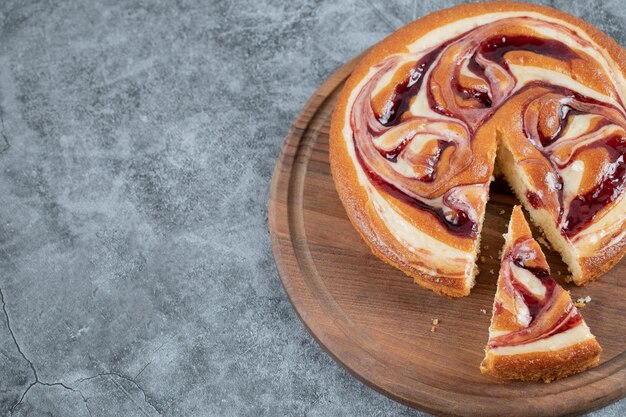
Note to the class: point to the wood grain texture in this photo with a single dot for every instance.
(375, 322)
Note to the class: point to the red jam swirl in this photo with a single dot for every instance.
(466, 107)
(408, 89)
(544, 321)
(583, 208)
(462, 226)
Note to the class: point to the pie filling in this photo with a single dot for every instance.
(412, 122)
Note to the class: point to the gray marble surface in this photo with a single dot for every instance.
(137, 141)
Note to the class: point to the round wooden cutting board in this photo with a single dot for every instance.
(375, 322)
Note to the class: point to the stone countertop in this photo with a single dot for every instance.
(137, 142)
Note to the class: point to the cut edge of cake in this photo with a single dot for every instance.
(583, 269)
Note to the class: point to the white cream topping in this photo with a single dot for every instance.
(420, 105)
(559, 341)
(417, 144)
(577, 125)
(522, 315)
(527, 74)
(613, 221)
(574, 174)
(528, 280)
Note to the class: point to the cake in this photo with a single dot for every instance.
(431, 109)
(536, 332)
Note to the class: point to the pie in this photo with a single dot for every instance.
(536, 332)
(430, 111)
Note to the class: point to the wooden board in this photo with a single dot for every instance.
(375, 322)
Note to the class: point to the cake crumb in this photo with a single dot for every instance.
(435, 321)
(501, 212)
(492, 272)
(542, 241)
(482, 310)
(582, 301)
(490, 257)
(433, 329)
(558, 272)
(483, 259)
(486, 247)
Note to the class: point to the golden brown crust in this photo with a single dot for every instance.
(445, 286)
(543, 366)
(518, 226)
(596, 266)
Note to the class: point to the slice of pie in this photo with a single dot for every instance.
(536, 331)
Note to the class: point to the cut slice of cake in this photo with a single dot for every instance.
(536, 332)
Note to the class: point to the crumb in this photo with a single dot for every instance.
(502, 212)
(435, 321)
(490, 257)
(482, 310)
(486, 247)
(483, 259)
(558, 272)
(582, 301)
(542, 241)
(547, 242)
(492, 272)
(433, 329)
